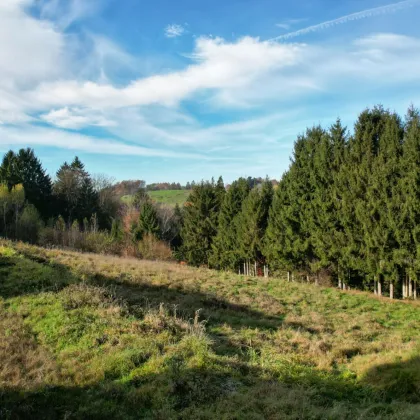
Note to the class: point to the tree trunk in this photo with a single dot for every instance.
(344, 285)
(410, 288)
(391, 290)
(379, 287)
(414, 290)
(307, 278)
(288, 276)
(339, 283)
(375, 290)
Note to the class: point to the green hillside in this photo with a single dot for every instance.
(170, 197)
(87, 336)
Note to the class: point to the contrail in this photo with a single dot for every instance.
(391, 8)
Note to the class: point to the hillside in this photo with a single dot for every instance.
(170, 197)
(91, 336)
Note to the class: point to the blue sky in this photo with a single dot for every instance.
(185, 90)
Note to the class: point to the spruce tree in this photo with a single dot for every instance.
(407, 199)
(148, 221)
(201, 214)
(328, 234)
(251, 223)
(75, 192)
(224, 253)
(283, 228)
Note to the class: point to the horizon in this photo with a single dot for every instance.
(171, 93)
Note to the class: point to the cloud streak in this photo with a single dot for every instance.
(368, 13)
(174, 30)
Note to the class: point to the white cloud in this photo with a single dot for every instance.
(39, 136)
(218, 65)
(76, 118)
(174, 30)
(65, 12)
(48, 76)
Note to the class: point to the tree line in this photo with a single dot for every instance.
(347, 210)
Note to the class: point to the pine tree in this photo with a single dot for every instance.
(283, 228)
(327, 234)
(224, 253)
(75, 192)
(407, 199)
(251, 223)
(201, 214)
(148, 221)
(355, 177)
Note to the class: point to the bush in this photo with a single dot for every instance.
(29, 225)
(151, 248)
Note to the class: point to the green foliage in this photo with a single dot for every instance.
(251, 222)
(225, 246)
(29, 225)
(148, 221)
(200, 223)
(348, 204)
(25, 168)
(74, 189)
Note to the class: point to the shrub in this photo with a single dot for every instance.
(29, 224)
(151, 248)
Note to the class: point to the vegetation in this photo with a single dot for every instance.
(345, 212)
(88, 336)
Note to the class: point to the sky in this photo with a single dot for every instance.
(185, 90)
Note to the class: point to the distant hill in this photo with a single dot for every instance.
(170, 197)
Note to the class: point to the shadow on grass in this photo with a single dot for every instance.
(220, 391)
(399, 380)
(21, 275)
(223, 389)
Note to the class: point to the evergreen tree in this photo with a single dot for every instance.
(283, 228)
(200, 223)
(148, 221)
(75, 192)
(326, 230)
(251, 222)
(407, 199)
(26, 169)
(225, 246)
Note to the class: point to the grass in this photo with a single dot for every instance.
(170, 197)
(89, 336)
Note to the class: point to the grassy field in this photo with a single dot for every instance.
(95, 337)
(170, 197)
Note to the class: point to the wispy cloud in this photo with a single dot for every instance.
(288, 23)
(391, 8)
(40, 136)
(174, 30)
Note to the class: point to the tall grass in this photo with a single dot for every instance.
(94, 336)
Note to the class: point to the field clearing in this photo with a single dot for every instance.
(93, 336)
(170, 197)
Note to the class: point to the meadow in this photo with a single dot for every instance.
(94, 336)
(169, 197)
